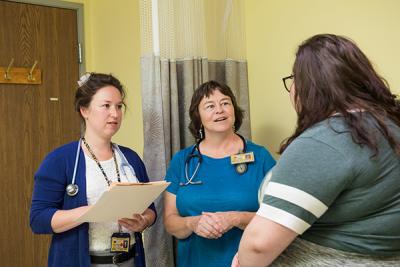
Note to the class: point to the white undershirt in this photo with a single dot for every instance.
(100, 233)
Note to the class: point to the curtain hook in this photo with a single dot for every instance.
(30, 75)
(7, 74)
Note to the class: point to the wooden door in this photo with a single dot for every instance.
(34, 119)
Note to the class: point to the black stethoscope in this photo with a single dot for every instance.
(240, 167)
(72, 189)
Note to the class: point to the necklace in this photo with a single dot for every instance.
(98, 163)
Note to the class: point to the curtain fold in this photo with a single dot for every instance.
(158, 244)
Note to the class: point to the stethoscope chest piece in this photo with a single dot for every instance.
(241, 168)
(72, 190)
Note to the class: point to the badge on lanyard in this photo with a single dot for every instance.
(242, 158)
(120, 242)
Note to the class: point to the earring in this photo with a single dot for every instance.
(201, 133)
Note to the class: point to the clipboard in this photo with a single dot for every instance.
(122, 200)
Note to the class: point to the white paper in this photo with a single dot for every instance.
(123, 200)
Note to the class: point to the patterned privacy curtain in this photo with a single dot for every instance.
(184, 43)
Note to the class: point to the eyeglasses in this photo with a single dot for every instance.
(288, 82)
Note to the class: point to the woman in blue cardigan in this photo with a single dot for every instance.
(73, 177)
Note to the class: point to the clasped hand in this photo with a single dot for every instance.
(135, 224)
(213, 225)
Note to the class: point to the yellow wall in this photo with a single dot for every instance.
(112, 44)
(274, 28)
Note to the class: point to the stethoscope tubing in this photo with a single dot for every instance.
(189, 180)
(76, 161)
(72, 188)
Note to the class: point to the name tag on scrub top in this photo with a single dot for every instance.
(242, 158)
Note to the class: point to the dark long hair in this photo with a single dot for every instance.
(331, 74)
(205, 90)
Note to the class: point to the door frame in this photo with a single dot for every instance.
(80, 24)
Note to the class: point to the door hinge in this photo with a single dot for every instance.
(79, 53)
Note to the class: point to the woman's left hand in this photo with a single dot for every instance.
(229, 219)
(137, 223)
(224, 219)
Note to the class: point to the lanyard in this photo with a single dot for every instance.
(98, 163)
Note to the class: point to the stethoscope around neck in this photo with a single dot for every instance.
(72, 189)
(240, 168)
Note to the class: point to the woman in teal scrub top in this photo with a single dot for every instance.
(214, 183)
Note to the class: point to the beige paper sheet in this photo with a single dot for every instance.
(122, 200)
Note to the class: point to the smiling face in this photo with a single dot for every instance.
(104, 114)
(217, 113)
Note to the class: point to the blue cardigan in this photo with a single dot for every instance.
(71, 248)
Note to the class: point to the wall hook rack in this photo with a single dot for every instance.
(7, 74)
(20, 75)
(30, 74)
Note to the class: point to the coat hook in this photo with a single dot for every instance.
(7, 74)
(30, 75)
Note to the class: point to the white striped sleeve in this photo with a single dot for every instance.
(305, 203)
(297, 197)
(283, 218)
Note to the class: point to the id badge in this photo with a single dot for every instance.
(242, 158)
(120, 242)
